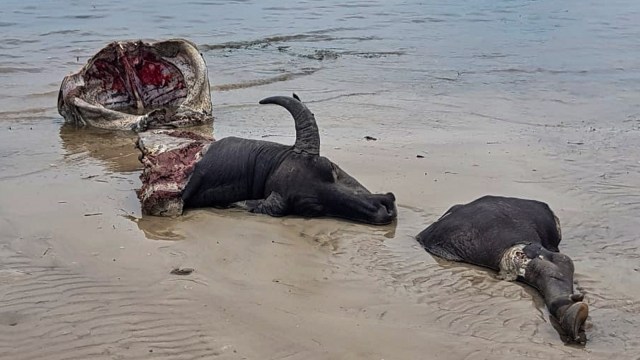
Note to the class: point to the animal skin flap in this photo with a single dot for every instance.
(168, 158)
(134, 85)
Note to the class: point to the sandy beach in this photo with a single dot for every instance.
(83, 275)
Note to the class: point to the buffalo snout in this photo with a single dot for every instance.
(386, 209)
(374, 209)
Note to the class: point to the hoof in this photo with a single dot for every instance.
(572, 322)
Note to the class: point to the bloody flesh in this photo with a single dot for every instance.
(138, 86)
(169, 158)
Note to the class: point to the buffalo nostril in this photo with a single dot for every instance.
(388, 209)
(389, 205)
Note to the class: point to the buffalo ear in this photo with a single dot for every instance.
(295, 96)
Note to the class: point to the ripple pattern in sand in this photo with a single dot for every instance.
(51, 312)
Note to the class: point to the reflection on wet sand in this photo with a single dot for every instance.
(156, 228)
(115, 149)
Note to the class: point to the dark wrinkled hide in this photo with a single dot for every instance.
(138, 86)
(482, 231)
(278, 179)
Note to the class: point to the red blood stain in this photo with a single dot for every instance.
(128, 71)
(109, 75)
(154, 73)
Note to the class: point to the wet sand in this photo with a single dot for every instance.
(530, 99)
(84, 275)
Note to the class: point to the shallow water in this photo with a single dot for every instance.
(526, 98)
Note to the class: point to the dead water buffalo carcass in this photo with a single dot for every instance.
(519, 238)
(279, 179)
(139, 86)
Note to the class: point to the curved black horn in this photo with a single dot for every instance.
(307, 136)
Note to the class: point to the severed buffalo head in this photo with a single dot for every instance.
(278, 180)
(138, 86)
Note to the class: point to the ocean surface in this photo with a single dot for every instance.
(559, 77)
(573, 62)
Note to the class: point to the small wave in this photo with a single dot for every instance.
(374, 54)
(203, 3)
(283, 8)
(324, 54)
(343, 96)
(331, 30)
(538, 70)
(475, 20)
(60, 32)
(427, 19)
(234, 45)
(321, 55)
(260, 82)
(356, 5)
(84, 16)
(25, 114)
(492, 56)
(15, 41)
(267, 41)
(24, 174)
(46, 94)
(11, 70)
